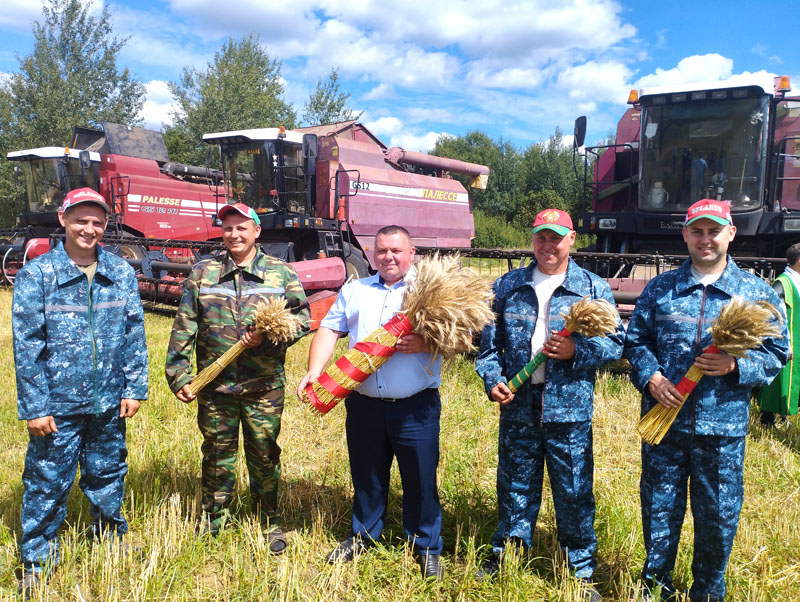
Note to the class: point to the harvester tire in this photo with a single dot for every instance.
(355, 263)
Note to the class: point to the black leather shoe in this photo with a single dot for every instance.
(590, 594)
(346, 550)
(489, 569)
(431, 565)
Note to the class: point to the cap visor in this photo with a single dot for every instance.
(713, 218)
(562, 230)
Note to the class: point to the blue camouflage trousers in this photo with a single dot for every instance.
(97, 444)
(713, 467)
(566, 448)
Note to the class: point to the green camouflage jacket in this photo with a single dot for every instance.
(218, 304)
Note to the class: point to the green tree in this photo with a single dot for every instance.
(327, 104)
(502, 159)
(240, 89)
(70, 78)
(546, 169)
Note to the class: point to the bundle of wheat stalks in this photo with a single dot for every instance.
(588, 317)
(272, 319)
(740, 326)
(445, 304)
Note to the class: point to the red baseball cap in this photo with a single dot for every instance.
(717, 211)
(553, 219)
(242, 209)
(84, 195)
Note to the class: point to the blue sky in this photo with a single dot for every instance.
(419, 69)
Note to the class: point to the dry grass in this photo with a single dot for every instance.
(162, 499)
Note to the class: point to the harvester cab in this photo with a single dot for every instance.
(734, 141)
(49, 173)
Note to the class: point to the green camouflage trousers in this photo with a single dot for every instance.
(218, 417)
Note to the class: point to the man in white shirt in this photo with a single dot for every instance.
(393, 413)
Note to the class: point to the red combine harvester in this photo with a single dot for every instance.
(731, 141)
(321, 193)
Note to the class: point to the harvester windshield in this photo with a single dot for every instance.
(702, 148)
(49, 178)
(267, 175)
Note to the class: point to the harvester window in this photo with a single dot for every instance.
(703, 149)
(266, 175)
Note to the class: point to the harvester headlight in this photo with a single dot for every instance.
(633, 97)
(608, 223)
(783, 85)
(791, 225)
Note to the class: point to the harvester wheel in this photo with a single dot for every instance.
(129, 251)
(355, 263)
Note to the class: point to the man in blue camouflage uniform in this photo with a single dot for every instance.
(549, 419)
(705, 445)
(81, 364)
(219, 303)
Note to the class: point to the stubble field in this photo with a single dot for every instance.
(162, 499)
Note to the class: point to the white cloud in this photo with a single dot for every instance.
(380, 91)
(417, 114)
(158, 105)
(692, 69)
(20, 14)
(704, 69)
(385, 126)
(422, 143)
(597, 81)
(506, 79)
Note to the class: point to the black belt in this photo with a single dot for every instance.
(396, 399)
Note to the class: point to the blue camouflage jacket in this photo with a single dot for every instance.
(506, 345)
(55, 318)
(672, 324)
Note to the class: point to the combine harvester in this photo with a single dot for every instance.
(736, 141)
(321, 193)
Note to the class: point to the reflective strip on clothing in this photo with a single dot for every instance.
(675, 318)
(107, 304)
(529, 317)
(264, 291)
(217, 291)
(66, 307)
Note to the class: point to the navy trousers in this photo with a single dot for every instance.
(566, 448)
(97, 443)
(377, 432)
(712, 467)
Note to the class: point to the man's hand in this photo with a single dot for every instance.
(185, 394)
(715, 364)
(664, 391)
(39, 427)
(559, 348)
(501, 394)
(310, 377)
(252, 338)
(412, 343)
(128, 407)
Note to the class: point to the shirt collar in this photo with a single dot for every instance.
(66, 270)
(727, 282)
(409, 277)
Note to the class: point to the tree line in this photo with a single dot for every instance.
(72, 77)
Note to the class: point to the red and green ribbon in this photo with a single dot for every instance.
(523, 375)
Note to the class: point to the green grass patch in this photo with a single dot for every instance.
(162, 499)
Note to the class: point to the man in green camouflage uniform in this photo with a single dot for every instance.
(220, 299)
